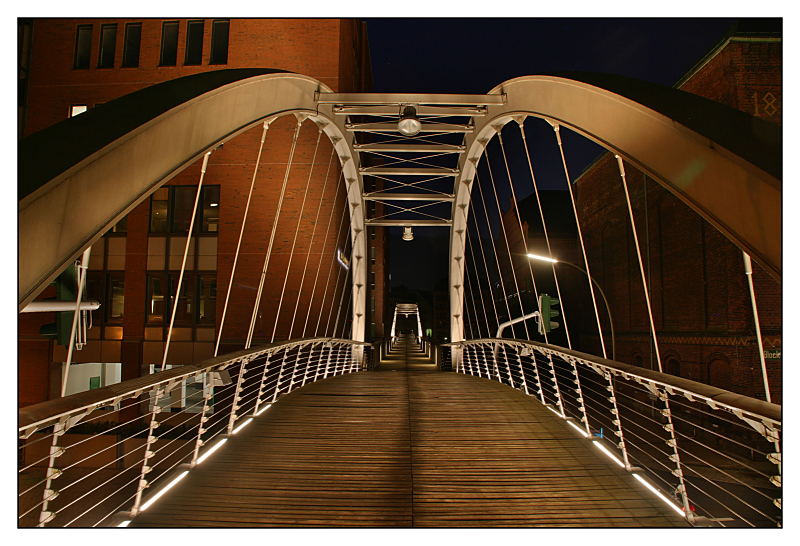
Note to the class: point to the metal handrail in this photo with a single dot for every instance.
(732, 474)
(235, 386)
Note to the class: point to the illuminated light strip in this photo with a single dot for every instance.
(535, 257)
(262, 410)
(661, 496)
(554, 411)
(240, 427)
(607, 452)
(212, 450)
(167, 488)
(124, 523)
(579, 429)
(343, 259)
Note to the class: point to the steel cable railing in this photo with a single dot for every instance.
(659, 427)
(119, 459)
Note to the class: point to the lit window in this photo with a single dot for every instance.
(108, 45)
(83, 46)
(116, 297)
(169, 43)
(194, 43)
(76, 109)
(133, 39)
(207, 298)
(219, 41)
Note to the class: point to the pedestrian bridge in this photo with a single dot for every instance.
(330, 430)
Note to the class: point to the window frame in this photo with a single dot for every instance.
(75, 64)
(102, 52)
(164, 26)
(191, 35)
(126, 49)
(216, 23)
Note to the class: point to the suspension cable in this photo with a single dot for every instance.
(478, 282)
(748, 270)
(341, 297)
(483, 256)
(311, 243)
(494, 248)
(544, 228)
(294, 242)
(470, 283)
(300, 119)
(319, 266)
(345, 214)
(241, 233)
(505, 236)
(557, 128)
(185, 254)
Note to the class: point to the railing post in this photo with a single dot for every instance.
(578, 389)
(522, 370)
(675, 457)
(280, 375)
(615, 419)
(555, 384)
(294, 368)
(308, 365)
(261, 384)
(55, 451)
(137, 502)
(207, 394)
(236, 397)
(508, 366)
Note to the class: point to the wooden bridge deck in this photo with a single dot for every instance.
(407, 446)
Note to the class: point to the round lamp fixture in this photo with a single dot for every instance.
(409, 125)
(407, 235)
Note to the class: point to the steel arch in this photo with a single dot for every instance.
(724, 164)
(71, 167)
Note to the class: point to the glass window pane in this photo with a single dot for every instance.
(207, 304)
(83, 46)
(169, 43)
(158, 210)
(194, 43)
(182, 202)
(133, 39)
(155, 299)
(108, 44)
(76, 109)
(116, 298)
(219, 42)
(210, 209)
(121, 226)
(185, 308)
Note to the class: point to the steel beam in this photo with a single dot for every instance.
(408, 171)
(408, 98)
(392, 128)
(384, 196)
(422, 111)
(382, 222)
(411, 148)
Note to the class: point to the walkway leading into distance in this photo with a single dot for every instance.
(408, 446)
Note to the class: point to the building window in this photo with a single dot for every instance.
(133, 39)
(108, 44)
(171, 209)
(372, 280)
(76, 109)
(115, 298)
(169, 43)
(194, 43)
(156, 303)
(372, 254)
(206, 298)
(83, 46)
(372, 306)
(219, 41)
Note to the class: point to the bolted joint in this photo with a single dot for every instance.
(774, 458)
(776, 480)
(53, 473)
(143, 484)
(45, 516)
(146, 469)
(50, 494)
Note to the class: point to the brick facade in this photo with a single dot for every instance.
(699, 292)
(336, 52)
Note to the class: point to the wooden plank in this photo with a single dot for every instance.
(405, 446)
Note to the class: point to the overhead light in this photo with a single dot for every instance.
(407, 234)
(409, 125)
(214, 204)
(542, 258)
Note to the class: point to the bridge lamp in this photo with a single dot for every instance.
(409, 125)
(407, 234)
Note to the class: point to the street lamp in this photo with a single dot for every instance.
(608, 309)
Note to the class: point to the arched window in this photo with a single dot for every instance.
(719, 374)
(673, 367)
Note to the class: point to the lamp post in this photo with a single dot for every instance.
(608, 309)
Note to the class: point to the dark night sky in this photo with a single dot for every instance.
(475, 55)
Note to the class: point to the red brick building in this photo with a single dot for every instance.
(699, 292)
(68, 65)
